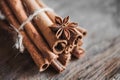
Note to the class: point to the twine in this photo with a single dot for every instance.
(18, 44)
(33, 15)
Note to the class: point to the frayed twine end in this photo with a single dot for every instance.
(18, 44)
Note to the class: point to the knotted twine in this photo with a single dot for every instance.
(19, 40)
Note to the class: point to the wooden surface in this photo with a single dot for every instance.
(102, 61)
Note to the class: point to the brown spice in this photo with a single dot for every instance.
(17, 8)
(63, 37)
(63, 27)
(37, 57)
(78, 52)
(43, 22)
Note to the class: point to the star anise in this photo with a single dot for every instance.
(63, 27)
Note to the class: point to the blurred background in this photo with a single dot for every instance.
(101, 18)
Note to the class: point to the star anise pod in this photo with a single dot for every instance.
(63, 27)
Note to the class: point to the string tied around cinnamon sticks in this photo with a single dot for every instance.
(18, 44)
(34, 14)
(19, 39)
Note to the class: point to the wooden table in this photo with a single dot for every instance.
(102, 61)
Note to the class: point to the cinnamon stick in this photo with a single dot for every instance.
(57, 65)
(78, 52)
(43, 22)
(74, 41)
(68, 49)
(11, 18)
(18, 9)
(46, 46)
(41, 62)
(80, 43)
(82, 30)
(50, 14)
(75, 37)
(64, 58)
(38, 59)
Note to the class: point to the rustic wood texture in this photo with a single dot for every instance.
(102, 60)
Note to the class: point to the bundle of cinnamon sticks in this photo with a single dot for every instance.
(49, 39)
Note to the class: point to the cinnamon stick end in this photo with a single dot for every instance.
(43, 67)
(78, 53)
(58, 66)
(64, 58)
(59, 46)
(84, 33)
(77, 39)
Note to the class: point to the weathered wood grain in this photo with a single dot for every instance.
(102, 44)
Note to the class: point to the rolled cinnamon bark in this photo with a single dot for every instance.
(78, 52)
(57, 65)
(68, 49)
(43, 22)
(50, 14)
(75, 38)
(18, 9)
(38, 59)
(82, 30)
(41, 62)
(64, 58)
(80, 43)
